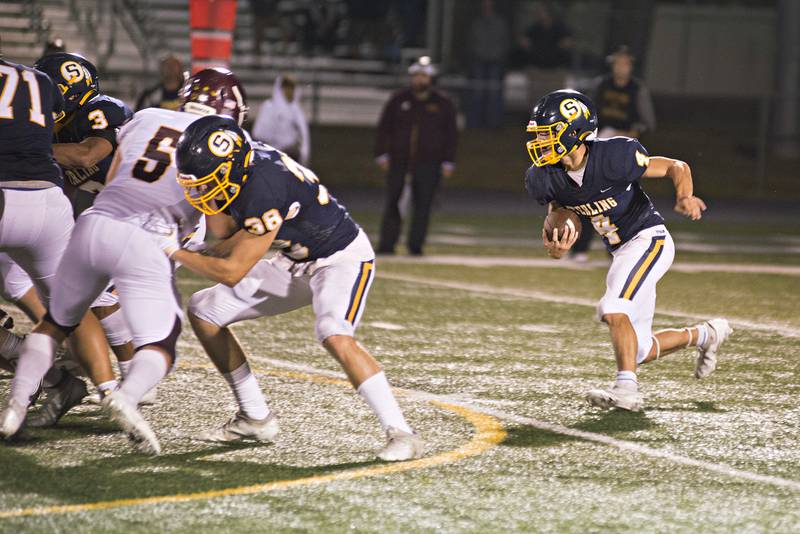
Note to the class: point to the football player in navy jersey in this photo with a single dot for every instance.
(258, 197)
(85, 139)
(36, 222)
(599, 178)
(86, 135)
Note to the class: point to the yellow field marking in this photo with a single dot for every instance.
(488, 433)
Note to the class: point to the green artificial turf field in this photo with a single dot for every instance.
(491, 349)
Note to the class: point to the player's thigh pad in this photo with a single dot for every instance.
(34, 231)
(268, 289)
(16, 282)
(340, 284)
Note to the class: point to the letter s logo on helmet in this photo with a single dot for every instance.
(74, 75)
(561, 121)
(221, 143)
(72, 71)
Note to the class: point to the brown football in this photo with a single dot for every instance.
(561, 218)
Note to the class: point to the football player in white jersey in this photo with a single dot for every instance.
(118, 238)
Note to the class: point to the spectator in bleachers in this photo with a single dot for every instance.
(623, 103)
(416, 137)
(624, 107)
(489, 50)
(165, 94)
(547, 49)
(281, 122)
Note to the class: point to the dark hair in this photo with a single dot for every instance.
(621, 50)
(288, 81)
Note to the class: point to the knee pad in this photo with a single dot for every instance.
(203, 306)
(169, 342)
(329, 325)
(116, 328)
(614, 305)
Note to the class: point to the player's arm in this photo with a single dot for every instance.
(112, 169)
(681, 175)
(244, 251)
(84, 154)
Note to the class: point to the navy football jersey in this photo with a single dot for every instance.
(29, 100)
(102, 117)
(278, 189)
(610, 194)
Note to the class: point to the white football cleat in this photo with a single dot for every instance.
(240, 427)
(622, 398)
(401, 446)
(12, 418)
(718, 331)
(121, 411)
(94, 398)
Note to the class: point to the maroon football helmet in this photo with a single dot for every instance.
(215, 91)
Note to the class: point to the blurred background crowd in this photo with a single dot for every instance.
(714, 82)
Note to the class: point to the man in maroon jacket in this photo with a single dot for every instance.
(416, 137)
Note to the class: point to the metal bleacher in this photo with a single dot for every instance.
(126, 38)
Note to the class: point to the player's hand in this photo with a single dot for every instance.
(166, 235)
(692, 207)
(382, 161)
(448, 169)
(556, 247)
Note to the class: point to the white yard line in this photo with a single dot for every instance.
(504, 261)
(784, 330)
(474, 404)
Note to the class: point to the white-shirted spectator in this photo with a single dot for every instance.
(281, 122)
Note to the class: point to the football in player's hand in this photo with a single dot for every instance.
(561, 218)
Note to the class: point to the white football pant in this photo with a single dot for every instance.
(336, 287)
(637, 267)
(104, 248)
(34, 230)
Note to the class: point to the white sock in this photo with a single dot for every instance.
(702, 334)
(627, 380)
(107, 387)
(148, 367)
(124, 368)
(36, 357)
(378, 394)
(245, 388)
(9, 345)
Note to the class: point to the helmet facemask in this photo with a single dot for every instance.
(212, 193)
(550, 143)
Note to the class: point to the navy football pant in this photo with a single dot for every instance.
(425, 180)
